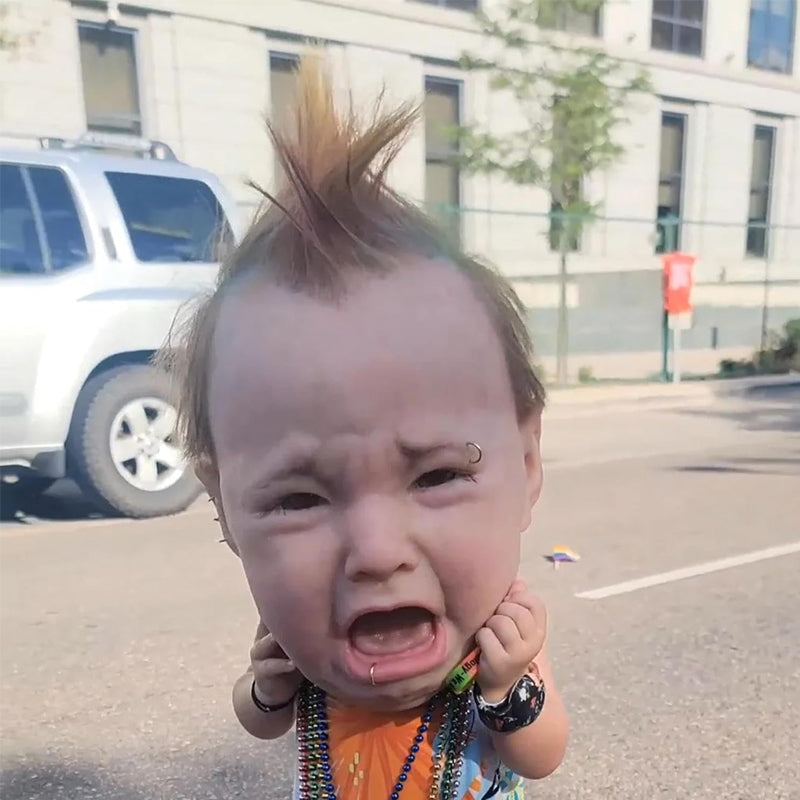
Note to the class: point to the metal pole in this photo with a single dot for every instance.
(676, 352)
(670, 241)
(765, 301)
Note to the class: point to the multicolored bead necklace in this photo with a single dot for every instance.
(314, 762)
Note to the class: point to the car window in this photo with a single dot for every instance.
(54, 241)
(170, 219)
(20, 245)
(62, 225)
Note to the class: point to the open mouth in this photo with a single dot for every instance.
(391, 645)
(382, 633)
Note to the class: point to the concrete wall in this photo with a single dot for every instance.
(204, 81)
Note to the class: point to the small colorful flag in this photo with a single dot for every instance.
(566, 554)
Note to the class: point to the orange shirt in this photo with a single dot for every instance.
(368, 750)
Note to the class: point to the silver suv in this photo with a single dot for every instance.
(97, 254)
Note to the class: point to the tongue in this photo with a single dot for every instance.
(388, 632)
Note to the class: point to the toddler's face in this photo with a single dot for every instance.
(368, 538)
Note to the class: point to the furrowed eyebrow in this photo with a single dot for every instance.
(414, 452)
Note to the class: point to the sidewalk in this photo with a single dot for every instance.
(594, 398)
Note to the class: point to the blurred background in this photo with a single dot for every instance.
(573, 143)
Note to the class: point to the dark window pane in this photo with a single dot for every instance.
(690, 10)
(760, 190)
(664, 8)
(170, 219)
(690, 41)
(771, 39)
(62, 224)
(670, 181)
(662, 35)
(110, 84)
(442, 115)
(20, 248)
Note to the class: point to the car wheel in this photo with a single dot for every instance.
(122, 449)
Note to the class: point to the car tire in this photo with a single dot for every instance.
(122, 450)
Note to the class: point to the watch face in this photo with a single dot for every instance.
(519, 709)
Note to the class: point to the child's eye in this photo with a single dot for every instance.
(299, 501)
(440, 477)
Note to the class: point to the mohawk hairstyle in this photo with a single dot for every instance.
(333, 216)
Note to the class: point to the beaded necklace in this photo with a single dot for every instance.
(314, 763)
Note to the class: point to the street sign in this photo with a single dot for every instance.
(678, 282)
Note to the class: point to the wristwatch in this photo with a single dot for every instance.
(518, 709)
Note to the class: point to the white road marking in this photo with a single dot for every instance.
(690, 572)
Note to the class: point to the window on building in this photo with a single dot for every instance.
(461, 5)
(110, 82)
(442, 174)
(772, 34)
(760, 190)
(678, 26)
(283, 87)
(670, 182)
(563, 16)
(173, 220)
(40, 229)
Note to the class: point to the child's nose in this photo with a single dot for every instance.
(379, 540)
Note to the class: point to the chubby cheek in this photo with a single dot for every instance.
(291, 590)
(477, 564)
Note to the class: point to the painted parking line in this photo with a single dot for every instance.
(690, 572)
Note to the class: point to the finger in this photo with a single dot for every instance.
(519, 585)
(492, 651)
(273, 668)
(527, 624)
(533, 603)
(506, 631)
(266, 647)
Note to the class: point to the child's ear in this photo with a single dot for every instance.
(531, 431)
(208, 475)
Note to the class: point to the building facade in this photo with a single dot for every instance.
(717, 145)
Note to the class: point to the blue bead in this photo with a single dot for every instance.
(415, 748)
(323, 735)
(402, 777)
(423, 728)
(325, 757)
(427, 718)
(419, 738)
(323, 746)
(406, 768)
(330, 787)
(411, 757)
(398, 787)
(395, 796)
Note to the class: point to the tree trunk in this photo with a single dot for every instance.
(562, 331)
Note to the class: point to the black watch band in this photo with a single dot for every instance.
(518, 709)
(268, 709)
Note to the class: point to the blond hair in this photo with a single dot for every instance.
(335, 215)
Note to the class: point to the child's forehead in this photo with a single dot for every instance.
(416, 300)
(394, 345)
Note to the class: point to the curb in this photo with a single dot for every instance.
(593, 399)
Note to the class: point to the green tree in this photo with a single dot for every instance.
(571, 96)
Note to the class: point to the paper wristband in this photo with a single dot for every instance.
(463, 676)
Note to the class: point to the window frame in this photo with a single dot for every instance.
(762, 225)
(790, 55)
(39, 222)
(445, 157)
(683, 117)
(677, 22)
(133, 33)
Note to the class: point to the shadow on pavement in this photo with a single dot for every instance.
(775, 408)
(62, 502)
(203, 778)
(61, 782)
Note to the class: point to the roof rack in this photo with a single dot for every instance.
(112, 142)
